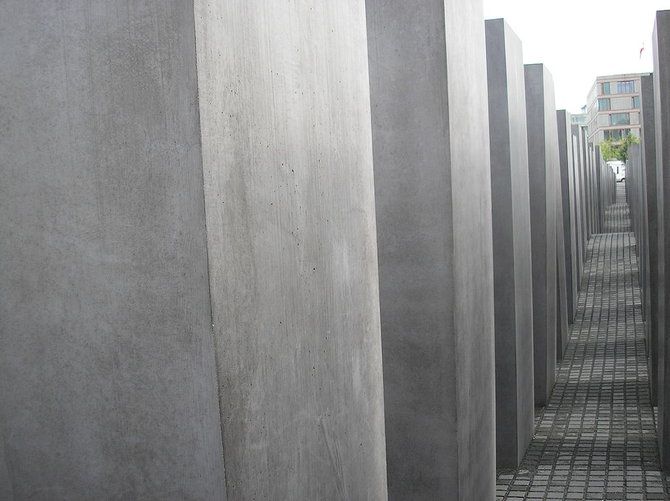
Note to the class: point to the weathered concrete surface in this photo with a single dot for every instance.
(600, 202)
(511, 244)
(114, 118)
(661, 40)
(592, 181)
(107, 371)
(636, 198)
(586, 183)
(561, 271)
(564, 312)
(606, 187)
(568, 196)
(432, 185)
(6, 487)
(582, 217)
(287, 151)
(578, 206)
(648, 145)
(543, 169)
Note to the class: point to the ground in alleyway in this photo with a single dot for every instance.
(596, 438)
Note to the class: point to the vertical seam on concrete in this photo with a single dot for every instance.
(450, 222)
(510, 141)
(209, 274)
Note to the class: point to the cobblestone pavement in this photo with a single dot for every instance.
(596, 438)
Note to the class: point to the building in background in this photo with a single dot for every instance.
(614, 107)
(579, 119)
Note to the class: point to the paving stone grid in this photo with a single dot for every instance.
(596, 438)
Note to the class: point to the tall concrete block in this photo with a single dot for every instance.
(599, 202)
(648, 145)
(511, 244)
(584, 192)
(562, 314)
(606, 187)
(586, 183)
(578, 207)
(636, 197)
(292, 247)
(543, 178)
(562, 327)
(568, 196)
(432, 186)
(661, 40)
(159, 340)
(107, 367)
(592, 180)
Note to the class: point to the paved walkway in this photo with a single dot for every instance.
(596, 439)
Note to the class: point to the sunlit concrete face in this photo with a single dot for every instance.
(543, 167)
(431, 156)
(287, 156)
(118, 380)
(510, 204)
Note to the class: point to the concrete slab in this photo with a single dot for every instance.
(432, 185)
(578, 205)
(543, 169)
(287, 154)
(107, 367)
(562, 313)
(592, 181)
(116, 375)
(636, 197)
(511, 244)
(584, 191)
(568, 196)
(661, 40)
(607, 187)
(648, 145)
(588, 186)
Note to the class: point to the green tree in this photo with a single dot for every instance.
(611, 149)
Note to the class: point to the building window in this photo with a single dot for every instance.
(606, 88)
(620, 119)
(616, 134)
(636, 101)
(604, 104)
(625, 87)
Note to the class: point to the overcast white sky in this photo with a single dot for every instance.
(578, 40)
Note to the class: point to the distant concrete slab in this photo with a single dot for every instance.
(579, 203)
(568, 195)
(543, 176)
(648, 145)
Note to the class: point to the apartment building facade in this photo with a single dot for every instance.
(613, 108)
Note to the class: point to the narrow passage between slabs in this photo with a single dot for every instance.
(596, 438)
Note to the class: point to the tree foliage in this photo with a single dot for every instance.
(611, 149)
